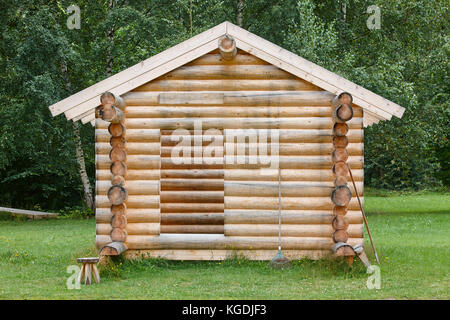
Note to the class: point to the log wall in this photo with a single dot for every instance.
(237, 199)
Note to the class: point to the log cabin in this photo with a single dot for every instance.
(227, 144)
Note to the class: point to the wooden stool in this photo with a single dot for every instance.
(88, 269)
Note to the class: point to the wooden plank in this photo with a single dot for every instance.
(290, 230)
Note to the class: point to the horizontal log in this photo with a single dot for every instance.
(192, 229)
(216, 59)
(133, 162)
(131, 228)
(228, 85)
(191, 163)
(288, 188)
(103, 215)
(198, 174)
(131, 148)
(229, 112)
(190, 98)
(133, 135)
(287, 175)
(288, 162)
(197, 140)
(133, 201)
(287, 217)
(286, 135)
(250, 162)
(287, 203)
(290, 230)
(218, 255)
(288, 149)
(237, 98)
(191, 207)
(210, 242)
(133, 187)
(228, 72)
(193, 185)
(192, 196)
(105, 174)
(238, 123)
(192, 218)
(214, 150)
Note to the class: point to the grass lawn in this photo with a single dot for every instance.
(411, 233)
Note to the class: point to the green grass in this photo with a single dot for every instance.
(410, 232)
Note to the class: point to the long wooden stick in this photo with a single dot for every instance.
(364, 215)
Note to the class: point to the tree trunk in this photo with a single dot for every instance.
(240, 8)
(82, 167)
(110, 36)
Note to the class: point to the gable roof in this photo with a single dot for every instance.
(81, 105)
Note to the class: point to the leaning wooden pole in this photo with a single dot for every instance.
(341, 195)
(364, 216)
(112, 110)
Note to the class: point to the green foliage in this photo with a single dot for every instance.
(405, 61)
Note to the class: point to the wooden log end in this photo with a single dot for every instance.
(118, 181)
(340, 129)
(340, 223)
(118, 154)
(339, 155)
(117, 142)
(339, 211)
(343, 113)
(113, 249)
(341, 195)
(340, 169)
(119, 209)
(118, 234)
(227, 47)
(340, 181)
(118, 168)
(340, 236)
(116, 129)
(340, 141)
(119, 221)
(117, 195)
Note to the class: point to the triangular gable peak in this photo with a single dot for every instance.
(81, 105)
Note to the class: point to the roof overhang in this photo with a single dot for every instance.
(81, 105)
